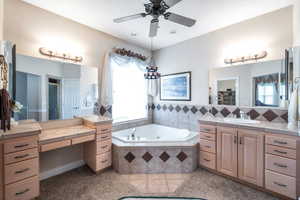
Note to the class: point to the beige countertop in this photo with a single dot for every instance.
(24, 128)
(58, 134)
(96, 119)
(269, 127)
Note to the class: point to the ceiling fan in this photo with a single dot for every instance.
(156, 9)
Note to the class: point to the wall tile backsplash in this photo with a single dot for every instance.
(186, 116)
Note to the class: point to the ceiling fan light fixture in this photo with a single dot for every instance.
(156, 9)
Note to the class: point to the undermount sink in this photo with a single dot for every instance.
(241, 121)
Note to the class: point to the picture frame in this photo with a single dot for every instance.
(176, 87)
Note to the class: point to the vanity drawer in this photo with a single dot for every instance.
(20, 144)
(208, 136)
(208, 146)
(21, 156)
(281, 141)
(280, 151)
(104, 128)
(83, 139)
(207, 128)
(104, 136)
(282, 165)
(55, 145)
(103, 160)
(281, 184)
(207, 160)
(21, 170)
(104, 146)
(23, 190)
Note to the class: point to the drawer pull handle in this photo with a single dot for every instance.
(21, 145)
(282, 152)
(280, 184)
(207, 129)
(206, 160)
(22, 192)
(280, 142)
(21, 156)
(104, 161)
(104, 147)
(280, 165)
(207, 136)
(105, 130)
(103, 137)
(235, 139)
(22, 171)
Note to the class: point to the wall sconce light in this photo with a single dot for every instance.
(255, 57)
(63, 56)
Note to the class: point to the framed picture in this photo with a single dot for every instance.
(176, 87)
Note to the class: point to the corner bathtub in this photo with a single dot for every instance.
(155, 149)
(155, 134)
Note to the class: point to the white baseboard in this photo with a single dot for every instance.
(62, 169)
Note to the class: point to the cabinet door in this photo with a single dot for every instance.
(251, 156)
(227, 151)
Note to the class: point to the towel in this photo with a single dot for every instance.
(294, 107)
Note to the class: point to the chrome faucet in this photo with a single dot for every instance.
(133, 134)
(243, 115)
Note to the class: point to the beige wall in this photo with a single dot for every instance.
(296, 23)
(1, 18)
(272, 32)
(30, 28)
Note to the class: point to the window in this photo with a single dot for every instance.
(266, 90)
(129, 92)
(266, 94)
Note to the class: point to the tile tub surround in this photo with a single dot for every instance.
(186, 116)
(155, 160)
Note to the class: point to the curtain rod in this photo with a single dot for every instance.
(129, 53)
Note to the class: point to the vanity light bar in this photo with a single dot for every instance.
(256, 57)
(64, 56)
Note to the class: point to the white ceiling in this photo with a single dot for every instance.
(210, 14)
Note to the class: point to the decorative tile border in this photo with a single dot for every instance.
(149, 160)
(185, 116)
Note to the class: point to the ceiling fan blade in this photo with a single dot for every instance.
(171, 3)
(131, 17)
(153, 27)
(180, 19)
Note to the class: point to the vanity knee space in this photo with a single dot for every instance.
(265, 160)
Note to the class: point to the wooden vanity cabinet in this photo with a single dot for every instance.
(20, 162)
(97, 154)
(227, 151)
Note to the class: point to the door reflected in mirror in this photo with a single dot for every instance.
(51, 90)
(227, 92)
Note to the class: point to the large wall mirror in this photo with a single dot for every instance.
(52, 90)
(255, 84)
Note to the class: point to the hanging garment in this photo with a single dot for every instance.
(5, 109)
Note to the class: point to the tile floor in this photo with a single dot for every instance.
(82, 184)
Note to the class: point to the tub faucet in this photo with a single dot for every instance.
(133, 134)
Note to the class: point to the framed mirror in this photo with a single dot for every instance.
(254, 84)
(52, 90)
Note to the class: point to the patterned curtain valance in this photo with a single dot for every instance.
(271, 78)
(125, 52)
